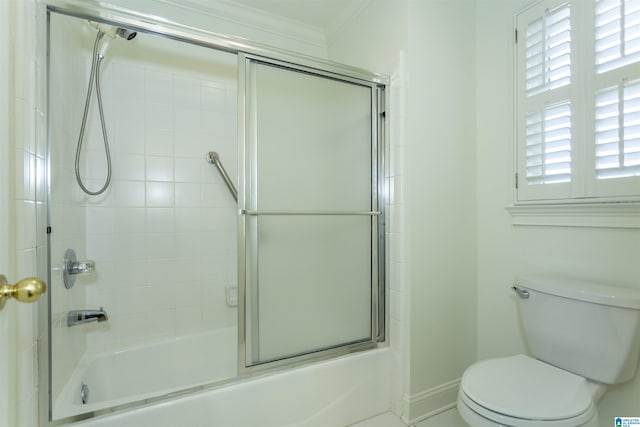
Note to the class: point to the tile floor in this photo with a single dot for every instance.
(449, 418)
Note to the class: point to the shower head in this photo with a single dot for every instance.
(112, 31)
(126, 34)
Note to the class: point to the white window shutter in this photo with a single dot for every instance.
(617, 33)
(616, 142)
(548, 51)
(548, 153)
(544, 102)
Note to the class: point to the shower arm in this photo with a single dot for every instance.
(214, 159)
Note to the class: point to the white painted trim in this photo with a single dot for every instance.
(246, 16)
(605, 215)
(428, 403)
(7, 315)
(344, 18)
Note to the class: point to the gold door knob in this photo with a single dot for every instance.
(26, 290)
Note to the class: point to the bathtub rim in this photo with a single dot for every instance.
(89, 358)
(240, 378)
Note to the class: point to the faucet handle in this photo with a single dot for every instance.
(81, 267)
(73, 267)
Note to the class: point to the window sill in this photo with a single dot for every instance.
(601, 215)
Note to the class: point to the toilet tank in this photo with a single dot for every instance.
(590, 329)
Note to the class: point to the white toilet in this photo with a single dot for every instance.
(583, 336)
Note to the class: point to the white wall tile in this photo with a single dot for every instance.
(158, 116)
(130, 81)
(158, 87)
(129, 194)
(188, 170)
(130, 220)
(213, 97)
(129, 134)
(160, 245)
(159, 168)
(188, 219)
(129, 166)
(187, 194)
(186, 92)
(160, 220)
(100, 220)
(160, 194)
(159, 142)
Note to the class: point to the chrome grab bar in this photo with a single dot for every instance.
(352, 213)
(214, 159)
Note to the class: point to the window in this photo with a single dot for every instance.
(578, 101)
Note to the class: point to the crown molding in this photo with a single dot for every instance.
(256, 19)
(346, 16)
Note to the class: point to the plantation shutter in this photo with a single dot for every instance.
(616, 150)
(544, 102)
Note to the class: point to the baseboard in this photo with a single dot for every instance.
(417, 407)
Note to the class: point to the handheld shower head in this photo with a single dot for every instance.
(126, 34)
(112, 31)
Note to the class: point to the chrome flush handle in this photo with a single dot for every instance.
(522, 293)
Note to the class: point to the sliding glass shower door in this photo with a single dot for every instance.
(310, 211)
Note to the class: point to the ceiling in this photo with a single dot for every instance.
(323, 14)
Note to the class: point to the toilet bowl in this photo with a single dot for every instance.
(526, 392)
(571, 327)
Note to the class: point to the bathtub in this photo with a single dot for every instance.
(146, 371)
(336, 392)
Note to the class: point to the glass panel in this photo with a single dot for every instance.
(162, 235)
(314, 142)
(313, 284)
(309, 277)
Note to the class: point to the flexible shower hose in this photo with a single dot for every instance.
(95, 75)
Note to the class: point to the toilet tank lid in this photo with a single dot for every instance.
(582, 290)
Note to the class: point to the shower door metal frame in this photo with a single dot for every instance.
(377, 213)
(160, 26)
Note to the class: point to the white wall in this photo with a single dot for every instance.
(432, 244)
(504, 250)
(352, 44)
(442, 198)
(7, 316)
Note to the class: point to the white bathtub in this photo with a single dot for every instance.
(146, 371)
(333, 393)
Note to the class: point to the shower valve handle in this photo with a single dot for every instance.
(73, 267)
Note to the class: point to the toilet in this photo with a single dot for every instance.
(582, 336)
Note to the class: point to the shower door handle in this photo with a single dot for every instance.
(26, 290)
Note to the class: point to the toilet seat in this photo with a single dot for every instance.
(523, 391)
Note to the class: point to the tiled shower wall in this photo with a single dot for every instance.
(397, 236)
(163, 235)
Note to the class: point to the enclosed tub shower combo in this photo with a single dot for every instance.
(215, 211)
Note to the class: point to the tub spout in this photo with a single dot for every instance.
(78, 317)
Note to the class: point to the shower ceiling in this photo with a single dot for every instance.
(323, 14)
